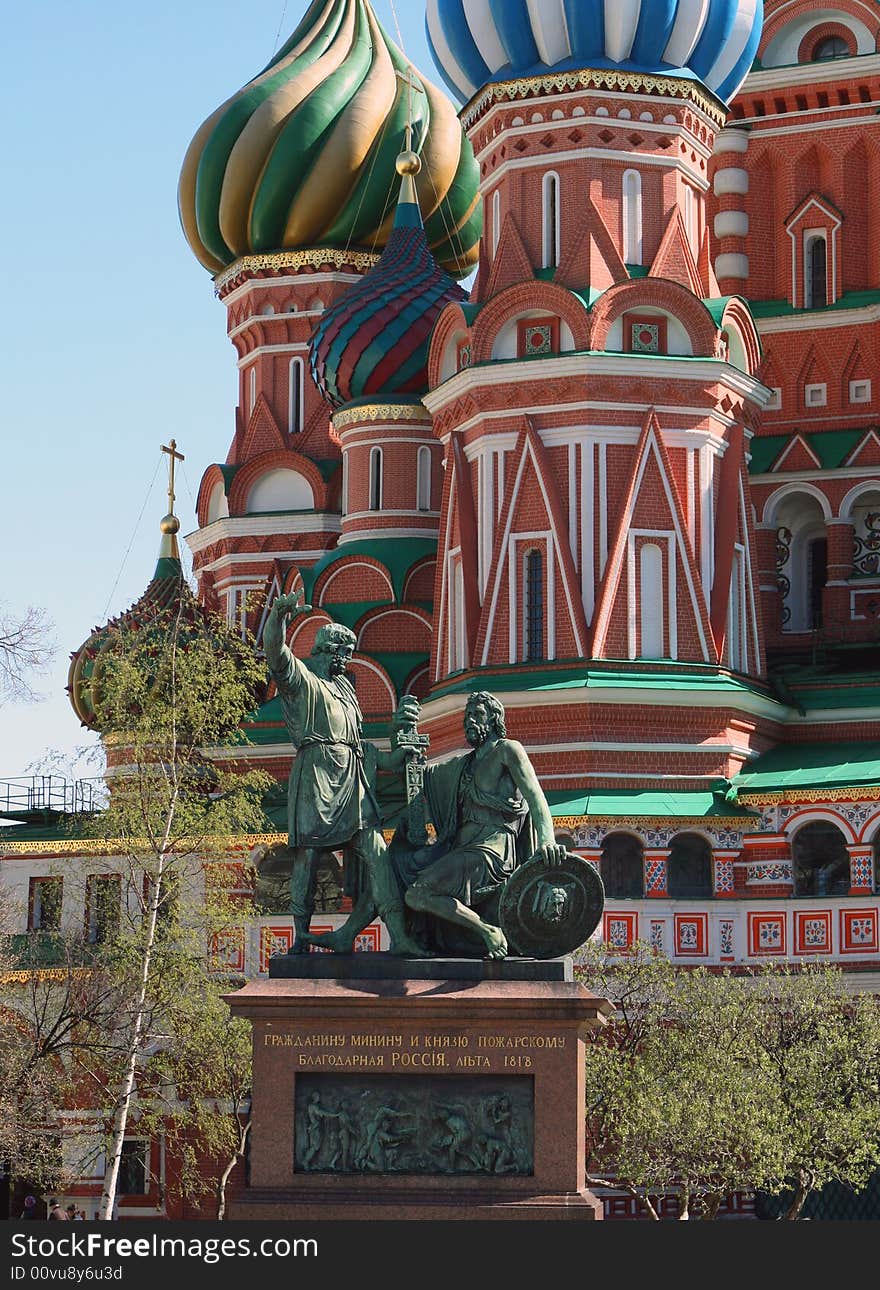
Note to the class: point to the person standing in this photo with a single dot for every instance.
(56, 1213)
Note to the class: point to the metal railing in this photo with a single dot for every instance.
(27, 796)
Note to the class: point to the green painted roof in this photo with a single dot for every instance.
(398, 555)
(627, 803)
(832, 448)
(812, 765)
(582, 676)
(780, 308)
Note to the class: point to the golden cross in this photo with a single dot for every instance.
(173, 456)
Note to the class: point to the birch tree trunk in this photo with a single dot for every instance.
(123, 1103)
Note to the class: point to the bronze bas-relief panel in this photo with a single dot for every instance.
(451, 1125)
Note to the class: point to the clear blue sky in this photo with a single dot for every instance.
(111, 340)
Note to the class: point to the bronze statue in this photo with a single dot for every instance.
(331, 799)
(495, 863)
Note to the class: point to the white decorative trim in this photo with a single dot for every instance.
(512, 371)
(732, 224)
(732, 264)
(731, 179)
(263, 525)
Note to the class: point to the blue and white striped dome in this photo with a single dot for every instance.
(478, 41)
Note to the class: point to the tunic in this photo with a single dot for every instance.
(329, 798)
(482, 837)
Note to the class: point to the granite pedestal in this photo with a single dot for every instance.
(388, 1088)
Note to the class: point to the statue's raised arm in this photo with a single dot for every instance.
(286, 669)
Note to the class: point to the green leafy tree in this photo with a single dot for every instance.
(818, 1050)
(170, 699)
(201, 1083)
(706, 1084)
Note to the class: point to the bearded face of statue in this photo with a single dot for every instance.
(340, 657)
(477, 724)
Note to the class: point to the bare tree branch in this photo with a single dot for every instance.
(27, 646)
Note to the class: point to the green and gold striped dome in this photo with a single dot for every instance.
(303, 156)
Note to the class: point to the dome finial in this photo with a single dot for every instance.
(170, 525)
(408, 163)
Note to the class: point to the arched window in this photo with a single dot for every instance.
(820, 860)
(622, 867)
(830, 48)
(295, 404)
(344, 498)
(459, 641)
(689, 874)
(801, 562)
(632, 217)
(375, 479)
(817, 576)
(423, 484)
(496, 220)
(551, 220)
(651, 644)
(816, 272)
(252, 398)
(736, 614)
(690, 217)
(533, 606)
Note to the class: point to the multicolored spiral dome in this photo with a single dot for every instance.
(300, 157)
(374, 342)
(478, 41)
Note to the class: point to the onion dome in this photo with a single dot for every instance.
(374, 342)
(300, 157)
(713, 41)
(168, 594)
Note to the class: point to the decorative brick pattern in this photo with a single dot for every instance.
(812, 932)
(274, 940)
(859, 931)
(692, 935)
(725, 940)
(724, 877)
(656, 876)
(226, 951)
(767, 935)
(620, 931)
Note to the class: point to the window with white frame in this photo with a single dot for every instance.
(774, 403)
(496, 220)
(533, 606)
(651, 593)
(344, 499)
(816, 395)
(423, 478)
(252, 386)
(459, 619)
(632, 217)
(736, 615)
(44, 904)
(815, 269)
(860, 391)
(551, 220)
(375, 479)
(296, 396)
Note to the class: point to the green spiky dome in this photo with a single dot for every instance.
(301, 156)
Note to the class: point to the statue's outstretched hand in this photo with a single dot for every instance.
(291, 605)
(408, 711)
(552, 854)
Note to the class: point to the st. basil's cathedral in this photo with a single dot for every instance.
(626, 478)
